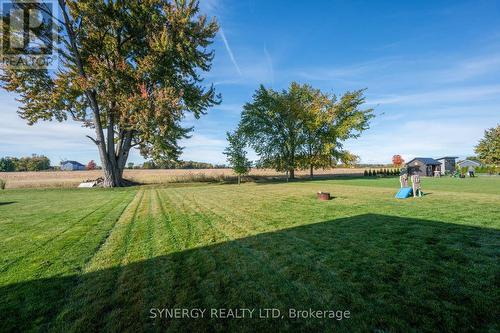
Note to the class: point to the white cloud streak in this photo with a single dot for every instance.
(229, 51)
(269, 64)
(448, 96)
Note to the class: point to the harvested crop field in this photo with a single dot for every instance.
(67, 179)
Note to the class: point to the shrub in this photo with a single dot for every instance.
(374, 172)
(2, 184)
(366, 173)
(370, 173)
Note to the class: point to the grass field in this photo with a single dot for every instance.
(99, 260)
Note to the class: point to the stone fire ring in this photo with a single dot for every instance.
(323, 195)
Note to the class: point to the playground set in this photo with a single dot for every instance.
(406, 191)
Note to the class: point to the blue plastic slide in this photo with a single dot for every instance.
(404, 192)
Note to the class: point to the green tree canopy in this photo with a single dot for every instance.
(7, 164)
(130, 70)
(302, 127)
(327, 123)
(488, 148)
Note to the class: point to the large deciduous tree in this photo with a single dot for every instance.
(488, 148)
(327, 123)
(129, 70)
(271, 126)
(302, 127)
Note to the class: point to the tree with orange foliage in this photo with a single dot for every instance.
(91, 165)
(129, 70)
(398, 161)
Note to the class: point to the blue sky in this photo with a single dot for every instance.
(431, 69)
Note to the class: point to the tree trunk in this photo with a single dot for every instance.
(311, 171)
(239, 179)
(113, 165)
(113, 176)
(292, 173)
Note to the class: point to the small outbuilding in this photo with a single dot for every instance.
(423, 166)
(72, 166)
(468, 164)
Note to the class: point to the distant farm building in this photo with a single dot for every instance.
(468, 164)
(72, 166)
(426, 166)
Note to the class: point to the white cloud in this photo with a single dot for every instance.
(432, 138)
(53, 139)
(233, 108)
(203, 148)
(210, 6)
(455, 95)
(473, 67)
(406, 70)
(351, 72)
(200, 140)
(269, 61)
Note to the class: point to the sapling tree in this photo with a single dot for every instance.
(129, 70)
(237, 155)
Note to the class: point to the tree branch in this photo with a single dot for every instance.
(90, 94)
(93, 140)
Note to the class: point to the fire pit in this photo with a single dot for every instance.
(323, 195)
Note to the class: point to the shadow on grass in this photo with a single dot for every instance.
(7, 203)
(391, 273)
(305, 179)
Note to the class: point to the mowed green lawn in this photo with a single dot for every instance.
(99, 260)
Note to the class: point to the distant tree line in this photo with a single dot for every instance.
(29, 163)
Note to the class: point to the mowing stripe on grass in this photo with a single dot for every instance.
(41, 229)
(85, 306)
(131, 280)
(30, 263)
(121, 208)
(221, 226)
